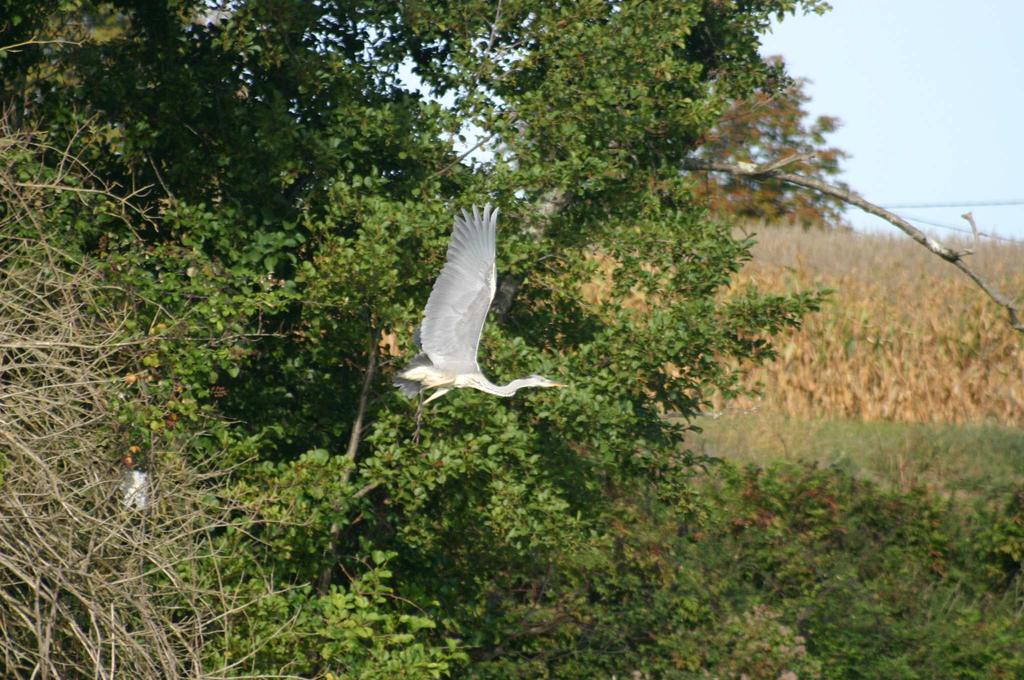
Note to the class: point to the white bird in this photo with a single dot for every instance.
(454, 317)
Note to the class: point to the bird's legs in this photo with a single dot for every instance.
(440, 391)
(419, 417)
(419, 409)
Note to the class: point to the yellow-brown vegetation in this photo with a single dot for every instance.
(904, 336)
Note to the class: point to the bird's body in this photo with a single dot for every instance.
(455, 314)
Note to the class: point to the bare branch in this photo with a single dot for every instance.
(494, 28)
(483, 140)
(364, 395)
(125, 201)
(366, 489)
(35, 41)
(159, 177)
(956, 258)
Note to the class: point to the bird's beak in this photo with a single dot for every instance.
(559, 385)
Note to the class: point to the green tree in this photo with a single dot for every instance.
(768, 126)
(301, 199)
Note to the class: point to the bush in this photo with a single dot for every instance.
(878, 583)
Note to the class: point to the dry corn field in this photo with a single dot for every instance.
(904, 336)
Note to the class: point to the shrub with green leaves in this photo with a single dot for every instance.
(877, 583)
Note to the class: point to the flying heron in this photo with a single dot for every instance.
(454, 317)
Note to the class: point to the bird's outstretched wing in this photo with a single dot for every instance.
(458, 304)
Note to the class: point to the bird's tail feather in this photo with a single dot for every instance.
(411, 388)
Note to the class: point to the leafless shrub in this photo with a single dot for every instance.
(91, 586)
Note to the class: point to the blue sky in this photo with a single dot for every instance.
(931, 95)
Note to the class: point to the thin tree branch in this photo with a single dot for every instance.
(366, 489)
(956, 258)
(159, 177)
(35, 41)
(445, 169)
(494, 29)
(355, 437)
(364, 395)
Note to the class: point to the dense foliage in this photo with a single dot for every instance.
(879, 584)
(303, 162)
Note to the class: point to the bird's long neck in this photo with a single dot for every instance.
(503, 390)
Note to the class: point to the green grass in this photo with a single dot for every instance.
(960, 460)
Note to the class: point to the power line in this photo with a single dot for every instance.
(964, 204)
(961, 229)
